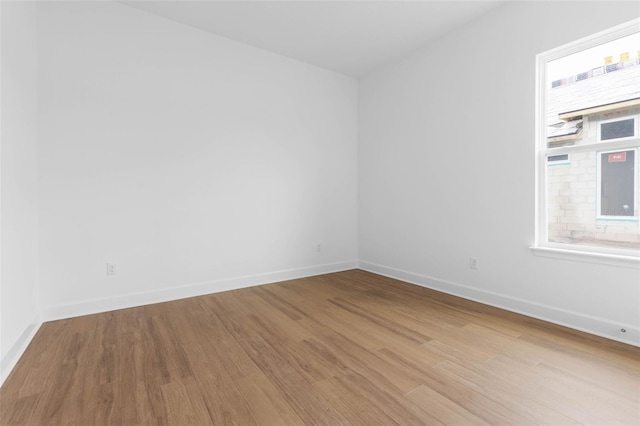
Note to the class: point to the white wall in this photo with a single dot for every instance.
(193, 162)
(446, 170)
(18, 182)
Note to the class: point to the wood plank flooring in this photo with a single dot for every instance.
(344, 348)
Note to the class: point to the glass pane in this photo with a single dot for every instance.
(601, 77)
(572, 204)
(558, 158)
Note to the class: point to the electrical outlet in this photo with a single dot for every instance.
(473, 263)
(111, 268)
(318, 248)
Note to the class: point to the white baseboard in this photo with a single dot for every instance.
(95, 306)
(589, 324)
(11, 358)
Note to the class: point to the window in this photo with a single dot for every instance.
(588, 148)
(558, 160)
(618, 128)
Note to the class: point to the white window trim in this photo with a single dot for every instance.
(636, 184)
(541, 246)
(634, 117)
(572, 254)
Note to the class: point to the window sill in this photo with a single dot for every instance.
(590, 257)
(616, 219)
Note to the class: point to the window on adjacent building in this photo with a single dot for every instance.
(618, 128)
(558, 160)
(588, 110)
(617, 185)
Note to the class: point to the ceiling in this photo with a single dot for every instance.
(349, 37)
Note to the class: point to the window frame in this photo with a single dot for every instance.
(592, 254)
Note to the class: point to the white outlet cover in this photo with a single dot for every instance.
(111, 268)
(473, 263)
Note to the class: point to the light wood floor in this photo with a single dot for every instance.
(344, 348)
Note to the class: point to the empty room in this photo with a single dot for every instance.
(319, 212)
